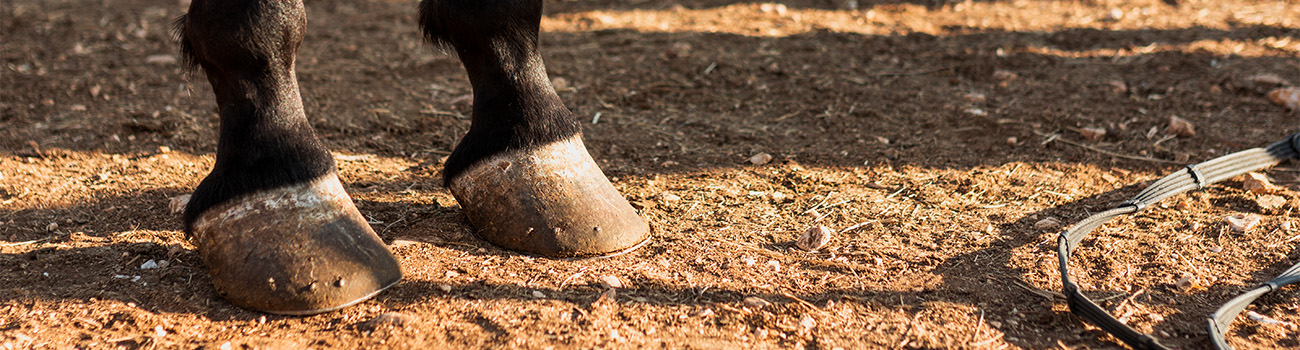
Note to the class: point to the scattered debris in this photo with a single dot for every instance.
(1047, 223)
(1257, 183)
(388, 320)
(1286, 97)
(560, 83)
(160, 59)
(756, 302)
(1188, 283)
(1181, 127)
(1242, 222)
(1266, 79)
(398, 243)
(1092, 134)
(1254, 316)
(610, 282)
(807, 322)
(178, 203)
(760, 159)
(774, 265)
(1270, 201)
(1117, 87)
(815, 238)
(678, 49)
(1005, 75)
(669, 197)
(779, 9)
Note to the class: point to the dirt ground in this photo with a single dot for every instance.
(942, 140)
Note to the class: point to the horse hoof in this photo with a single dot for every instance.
(297, 250)
(551, 201)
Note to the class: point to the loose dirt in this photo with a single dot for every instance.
(939, 139)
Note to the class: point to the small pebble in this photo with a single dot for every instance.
(387, 319)
(1270, 201)
(978, 112)
(560, 84)
(1181, 127)
(706, 312)
(1257, 183)
(756, 302)
(815, 238)
(1267, 79)
(538, 294)
(774, 265)
(1047, 223)
(148, 265)
(974, 97)
(669, 197)
(446, 288)
(1286, 97)
(52, 226)
(1092, 134)
(807, 322)
(177, 204)
(610, 282)
(1013, 140)
(776, 196)
(398, 243)
(1186, 283)
(160, 59)
(1004, 75)
(1242, 222)
(760, 159)
(678, 49)
(779, 9)
(1117, 87)
(1255, 316)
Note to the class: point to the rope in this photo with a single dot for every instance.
(1193, 177)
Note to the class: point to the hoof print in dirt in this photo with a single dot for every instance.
(297, 250)
(552, 201)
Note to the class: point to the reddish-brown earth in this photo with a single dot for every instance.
(942, 132)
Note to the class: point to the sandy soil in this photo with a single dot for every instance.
(940, 139)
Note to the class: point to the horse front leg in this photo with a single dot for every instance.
(275, 228)
(521, 173)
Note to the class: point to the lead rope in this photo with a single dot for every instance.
(1193, 177)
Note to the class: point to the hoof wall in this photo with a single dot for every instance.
(552, 201)
(296, 250)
